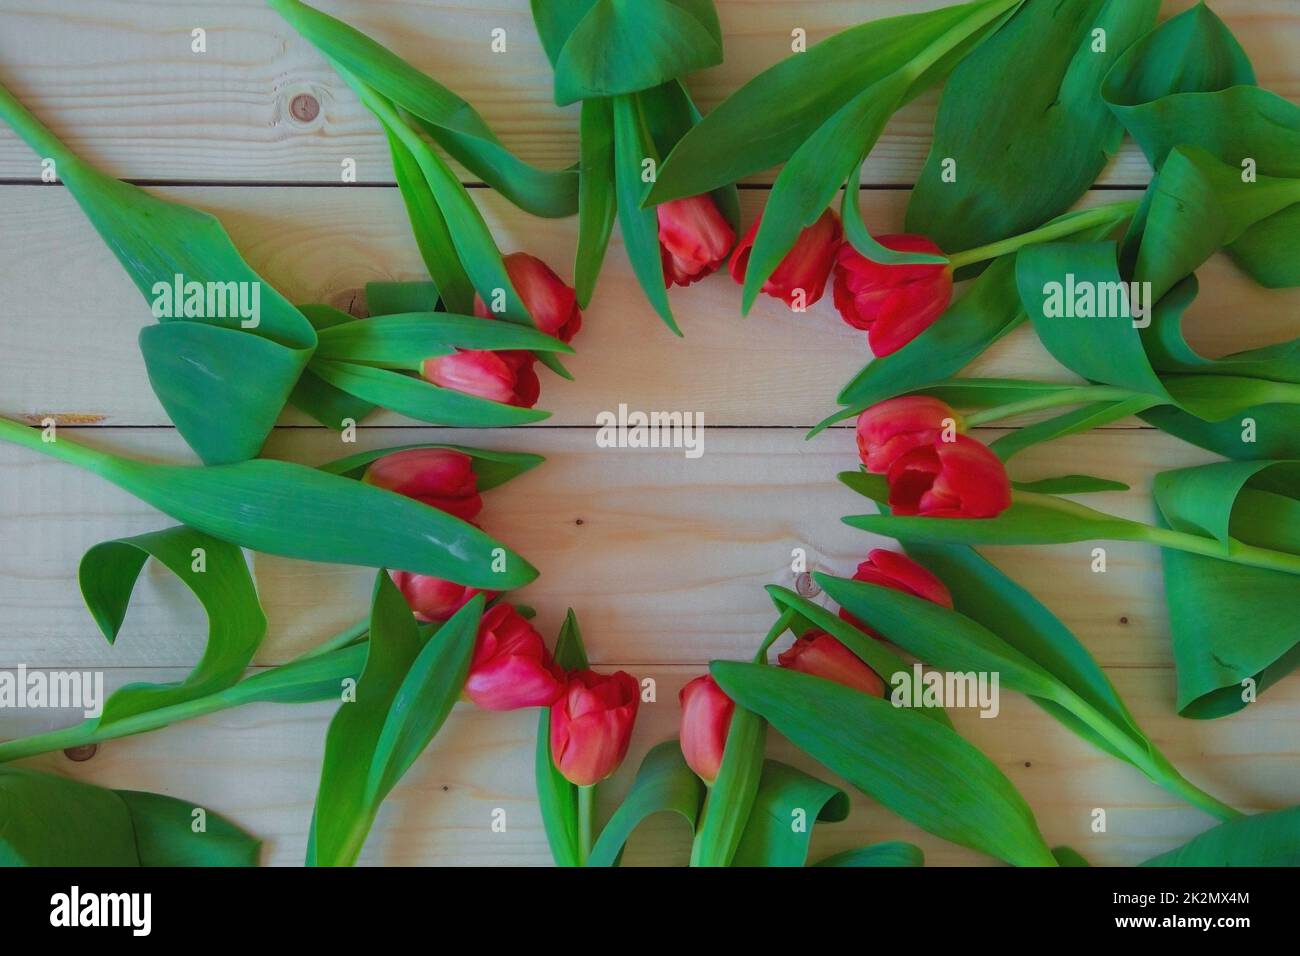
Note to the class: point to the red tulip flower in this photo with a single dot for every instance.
(801, 277)
(706, 718)
(591, 725)
(552, 304)
(894, 427)
(506, 377)
(959, 479)
(439, 477)
(893, 304)
(511, 667)
(894, 570)
(434, 599)
(694, 239)
(819, 654)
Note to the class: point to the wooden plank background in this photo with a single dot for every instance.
(664, 558)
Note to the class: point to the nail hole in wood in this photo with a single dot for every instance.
(81, 754)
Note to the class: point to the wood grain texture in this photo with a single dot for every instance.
(665, 558)
(120, 82)
(259, 765)
(71, 316)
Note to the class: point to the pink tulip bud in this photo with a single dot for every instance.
(893, 304)
(819, 654)
(694, 239)
(511, 667)
(706, 718)
(552, 304)
(805, 268)
(591, 725)
(434, 599)
(893, 427)
(506, 377)
(439, 477)
(960, 479)
(894, 570)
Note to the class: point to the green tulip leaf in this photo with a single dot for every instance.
(1189, 83)
(815, 173)
(834, 150)
(1084, 315)
(1093, 415)
(317, 675)
(1221, 666)
(785, 797)
(396, 298)
(1274, 428)
(663, 784)
(313, 395)
(469, 232)
(491, 468)
(165, 833)
(989, 309)
(918, 768)
(53, 821)
(764, 122)
(443, 115)
(619, 47)
(1024, 116)
(216, 573)
(1263, 839)
(1046, 662)
(416, 398)
(222, 382)
(557, 798)
(597, 195)
(1070, 485)
(632, 147)
(405, 341)
(404, 695)
(726, 813)
(1068, 857)
(1196, 205)
(893, 853)
(892, 670)
(278, 507)
(1031, 519)
(670, 114)
(432, 236)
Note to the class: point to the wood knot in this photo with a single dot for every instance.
(805, 586)
(304, 108)
(81, 754)
(351, 301)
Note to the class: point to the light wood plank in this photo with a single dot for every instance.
(665, 557)
(260, 765)
(120, 83)
(71, 316)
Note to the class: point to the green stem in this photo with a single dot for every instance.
(586, 807)
(32, 437)
(780, 627)
(1114, 528)
(35, 133)
(1235, 551)
(90, 732)
(1067, 226)
(1079, 395)
(956, 36)
(1158, 769)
